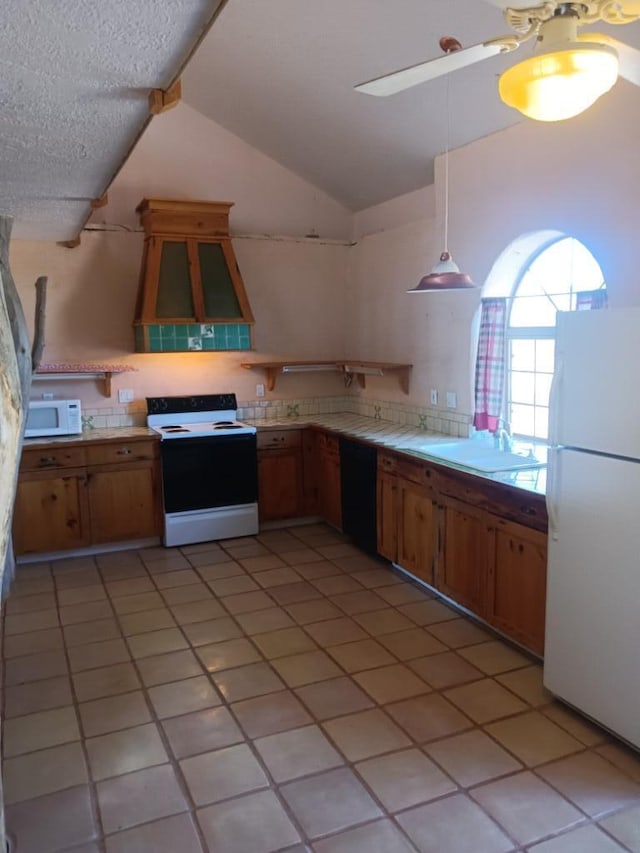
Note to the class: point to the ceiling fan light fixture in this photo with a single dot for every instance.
(445, 275)
(560, 83)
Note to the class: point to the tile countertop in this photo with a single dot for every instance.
(409, 440)
(98, 434)
(413, 442)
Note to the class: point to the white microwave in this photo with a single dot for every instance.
(53, 417)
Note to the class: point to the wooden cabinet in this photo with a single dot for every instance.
(464, 557)
(407, 515)
(480, 543)
(417, 520)
(387, 507)
(51, 511)
(493, 557)
(328, 478)
(516, 583)
(299, 475)
(310, 452)
(122, 502)
(72, 496)
(280, 474)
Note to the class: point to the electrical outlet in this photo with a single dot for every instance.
(47, 395)
(433, 396)
(260, 389)
(125, 395)
(452, 399)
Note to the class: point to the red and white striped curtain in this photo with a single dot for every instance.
(491, 364)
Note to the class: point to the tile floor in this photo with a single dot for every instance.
(286, 693)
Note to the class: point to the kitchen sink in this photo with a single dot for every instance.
(479, 457)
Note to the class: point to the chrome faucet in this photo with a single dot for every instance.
(502, 439)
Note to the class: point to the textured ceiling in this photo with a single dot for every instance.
(74, 80)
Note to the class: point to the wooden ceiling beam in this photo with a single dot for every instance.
(161, 100)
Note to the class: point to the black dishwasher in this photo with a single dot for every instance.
(358, 471)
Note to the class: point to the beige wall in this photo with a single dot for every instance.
(293, 287)
(318, 299)
(580, 177)
(182, 154)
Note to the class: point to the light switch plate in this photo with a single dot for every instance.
(260, 389)
(452, 399)
(433, 396)
(125, 395)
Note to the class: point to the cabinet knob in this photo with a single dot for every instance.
(47, 460)
(124, 452)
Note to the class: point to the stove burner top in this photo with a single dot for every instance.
(199, 417)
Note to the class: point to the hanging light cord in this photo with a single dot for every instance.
(446, 171)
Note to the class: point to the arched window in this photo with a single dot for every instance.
(562, 276)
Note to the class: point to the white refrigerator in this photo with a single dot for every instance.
(592, 640)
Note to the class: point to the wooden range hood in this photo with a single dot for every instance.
(191, 296)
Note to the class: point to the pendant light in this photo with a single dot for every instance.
(445, 275)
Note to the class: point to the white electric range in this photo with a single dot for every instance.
(209, 468)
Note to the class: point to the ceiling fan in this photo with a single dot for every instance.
(565, 75)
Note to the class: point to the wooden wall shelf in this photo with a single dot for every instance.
(76, 372)
(349, 368)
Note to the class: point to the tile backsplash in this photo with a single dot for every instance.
(195, 337)
(419, 417)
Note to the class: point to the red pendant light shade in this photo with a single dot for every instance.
(444, 276)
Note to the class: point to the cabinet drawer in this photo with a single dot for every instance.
(133, 451)
(415, 472)
(55, 456)
(279, 438)
(410, 471)
(387, 463)
(529, 510)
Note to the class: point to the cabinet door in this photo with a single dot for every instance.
(123, 502)
(387, 511)
(51, 512)
(331, 497)
(465, 554)
(329, 486)
(517, 581)
(417, 528)
(310, 451)
(280, 489)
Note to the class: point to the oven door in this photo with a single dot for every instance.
(204, 473)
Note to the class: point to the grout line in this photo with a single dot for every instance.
(93, 792)
(323, 597)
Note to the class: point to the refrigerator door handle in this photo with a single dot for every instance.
(554, 399)
(553, 488)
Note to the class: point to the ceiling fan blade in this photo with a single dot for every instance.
(397, 81)
(628, 57)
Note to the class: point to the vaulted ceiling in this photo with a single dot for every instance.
(278, 74)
